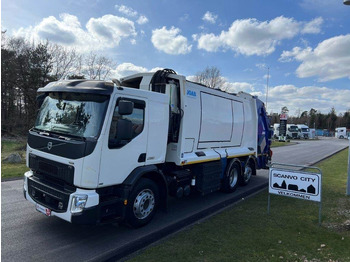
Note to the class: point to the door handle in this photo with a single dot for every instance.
(142, 158)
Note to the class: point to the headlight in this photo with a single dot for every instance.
(78, 203)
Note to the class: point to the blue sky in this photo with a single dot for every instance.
(306, 44)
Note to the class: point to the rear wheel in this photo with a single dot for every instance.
(232, 174)
(249, 171)
(142, 203)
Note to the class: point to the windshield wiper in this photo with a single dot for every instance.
(58, 135)
(67, 136)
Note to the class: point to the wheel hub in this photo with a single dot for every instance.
(233, 177)
(248, 171)
(144, 204)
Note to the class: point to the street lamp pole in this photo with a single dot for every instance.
(267, 85)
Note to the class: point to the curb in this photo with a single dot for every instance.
(8, 179)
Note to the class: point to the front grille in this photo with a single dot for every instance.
(47, 168)
(48, 196)
(52, 169)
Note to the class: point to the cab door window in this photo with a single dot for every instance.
(124, 128)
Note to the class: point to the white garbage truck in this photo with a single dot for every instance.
(114, 151)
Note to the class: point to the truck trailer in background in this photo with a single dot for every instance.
(102, 151)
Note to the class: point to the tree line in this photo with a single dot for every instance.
(26, 66)
(315, 119)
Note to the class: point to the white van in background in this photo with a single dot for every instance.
(340, 132)
(276, 130)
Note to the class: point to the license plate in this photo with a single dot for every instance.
(44, 210)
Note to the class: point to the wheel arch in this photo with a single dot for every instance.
(153, 173)
(239, 161)
(253, 160)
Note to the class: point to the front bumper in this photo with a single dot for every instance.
(89, 215)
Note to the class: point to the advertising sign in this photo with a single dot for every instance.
(296, 184)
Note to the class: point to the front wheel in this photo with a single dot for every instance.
(142, 203)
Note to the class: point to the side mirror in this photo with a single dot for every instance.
(125, 107)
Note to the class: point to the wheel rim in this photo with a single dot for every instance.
(248, 171)
(233, 177)
(144, 204)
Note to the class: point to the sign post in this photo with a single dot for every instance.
(283, 127)
(348, 184)
(285, 180)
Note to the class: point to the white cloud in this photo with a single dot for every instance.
(170, 41)
(253, 37)
(142, 20)
(103, 32)
(109, 27)
(307, 97)
(156, 69)
(261, 66)
(313, 27)
(235, 87)
(126, 69)
(209, 17)
(126, 10)
(328, 61)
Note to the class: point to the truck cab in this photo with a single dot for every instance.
(293, 131)
(304, 131)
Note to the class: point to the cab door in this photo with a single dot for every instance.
(125, 143)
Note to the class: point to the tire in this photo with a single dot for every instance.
(142, 203)
(341, 137)
(232, 174)
(248, 172)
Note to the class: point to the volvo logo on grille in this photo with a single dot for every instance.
(49, 146)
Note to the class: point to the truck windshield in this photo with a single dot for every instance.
(72, 114)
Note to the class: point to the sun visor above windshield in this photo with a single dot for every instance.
(79, 86)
